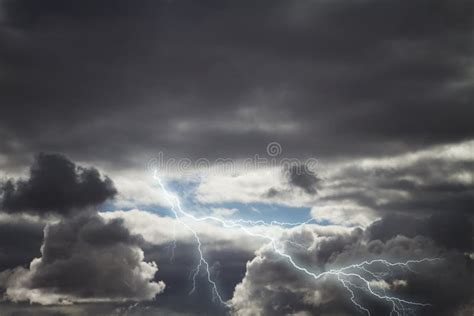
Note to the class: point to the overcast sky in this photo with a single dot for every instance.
(378, 94)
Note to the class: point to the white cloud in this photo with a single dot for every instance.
(344, 213)
(223, 212)
(160, 230)
(249, 186)
(137, 189)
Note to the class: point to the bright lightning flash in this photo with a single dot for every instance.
(355, 277)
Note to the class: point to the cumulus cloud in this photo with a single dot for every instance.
(174, 247)
(358, 191)
(265, 185)
(272, 287)
(84, 258)
(56, 185)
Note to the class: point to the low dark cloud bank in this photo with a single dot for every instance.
(452, 231)
(324, 78)
(423, 187)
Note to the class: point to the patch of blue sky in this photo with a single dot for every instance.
(185, 190)
(152, 208)
(267, 212)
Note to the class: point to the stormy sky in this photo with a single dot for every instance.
(95, 96)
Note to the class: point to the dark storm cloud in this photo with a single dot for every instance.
(297, 176)
(56, 185)
(425, 186)
(86, 257)
(20, 242)
(446, 284)
(453, 231)
(292, 292)
(83, 257)
(227, 265)
(102, 309)
(324, 78)
(302, 177)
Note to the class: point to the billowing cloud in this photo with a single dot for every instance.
(359, 191)
(272, 287)
(174, 247)
(84, 258)
(56, 185)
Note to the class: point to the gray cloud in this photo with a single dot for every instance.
(56, 185)
(227, 261)
(300, 176)
(452, 231)
(103, 309)
(86, 259)
(20, 242)
(83, 257)
(422, 187)
(272, 287)
(332, 78)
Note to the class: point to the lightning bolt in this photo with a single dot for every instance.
(353, 277)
